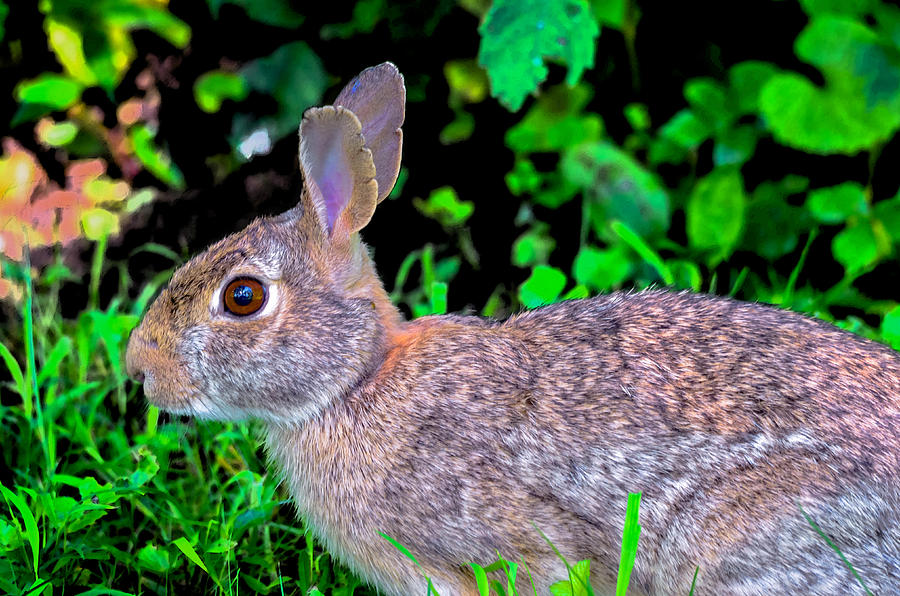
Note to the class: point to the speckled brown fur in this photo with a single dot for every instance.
(457, 435)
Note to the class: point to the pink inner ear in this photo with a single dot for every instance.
(333, 180)
(326, 164)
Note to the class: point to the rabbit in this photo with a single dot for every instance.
(461, 437)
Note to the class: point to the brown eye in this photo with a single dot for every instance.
(244, 296)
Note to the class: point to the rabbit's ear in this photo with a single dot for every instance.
(337, 169)
(378, 98)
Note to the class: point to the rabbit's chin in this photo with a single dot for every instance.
(201, 406)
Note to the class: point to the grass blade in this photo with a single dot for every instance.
(816, 527)
(401, 548)
(643, 249)
(630, 535)
(16, 372)
(31, 529)
(480, 579)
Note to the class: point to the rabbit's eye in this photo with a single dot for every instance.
(244, 296)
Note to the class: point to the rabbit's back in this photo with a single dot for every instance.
(725, 415)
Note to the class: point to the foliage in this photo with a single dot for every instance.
(766, 177)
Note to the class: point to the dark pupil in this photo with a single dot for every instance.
(243, 295)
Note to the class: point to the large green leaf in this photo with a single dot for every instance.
(805, 117)
(853, 58)
(518, 35)
(860, 103)
(715, 213)
(620, 188)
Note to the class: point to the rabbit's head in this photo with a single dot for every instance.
(279, 319)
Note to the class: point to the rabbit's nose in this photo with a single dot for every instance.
(136, 354)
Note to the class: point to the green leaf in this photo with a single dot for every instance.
(835, 204)
(184, 546)
(853, 59)
(710, 102)
(860, 104)
(682, 133)
(221, 546)
(48, 92)
(638, 116)
(524, 178)
(50, 367)
(444, 206)
(99, 223)
(734, 146)
(807, 118)
(601, 269)
(278, 13)
(467, 81)
(746, 81)
(518, 35)
(15, 371)
(157, 163)
(533, 247)
(556, 121)
(620, 188)
(148, 467)
(686, 274)
(459, 129)
(856, 247)
(715, 213)
(152, 558)
(132, 15)
(890, 327)
(292, 75)
(773, 225)
(543, 286)
(57, 134)
(212, 88)
(32, 535)
(888, 213)
(611, 13)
